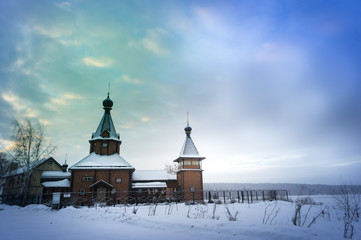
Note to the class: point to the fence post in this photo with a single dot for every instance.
(247, 196)
(251, 197)
(224, 196)
(256, 195)
(242, 193)
(238, 196)
(287, 194)
(263, 196)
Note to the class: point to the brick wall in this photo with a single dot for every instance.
(97, 147)
(108, 175)
(186, 180)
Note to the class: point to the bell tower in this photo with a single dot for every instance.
(105, 140)
(189, 174)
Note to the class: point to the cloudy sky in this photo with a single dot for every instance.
(272, 88)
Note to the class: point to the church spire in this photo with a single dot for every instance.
(105, 133)
(189, 149)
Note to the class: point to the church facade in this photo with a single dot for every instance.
(105, 176)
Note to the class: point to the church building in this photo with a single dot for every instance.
(104, 175)
(103, 172)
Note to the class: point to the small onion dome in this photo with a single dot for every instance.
(188, 129)
(64, 166)
(108, 103)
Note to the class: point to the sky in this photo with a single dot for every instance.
(272, 88)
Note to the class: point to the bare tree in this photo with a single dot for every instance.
(29, 147)
(269, 216)
(348, 199)
(171, 168)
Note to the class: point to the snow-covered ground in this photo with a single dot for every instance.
(262, 220)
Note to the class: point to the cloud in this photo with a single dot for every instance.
(128, 79)
(154, 42)
(44, 121)
(96, 62)
(64, 5)
(17, 105)
(274, 53)
(6, 144)
(70, 42)
(145, 119)
(63, 99)
(127, 125)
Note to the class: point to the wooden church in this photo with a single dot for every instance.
(104, 175)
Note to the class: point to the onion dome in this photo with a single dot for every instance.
(107, 103)
(188, 129)
(64, 166)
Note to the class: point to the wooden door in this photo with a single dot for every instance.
(101, 194)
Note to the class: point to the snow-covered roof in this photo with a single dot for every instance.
(101, 138)
(33, 165)
(150, 185)
(55, 174)
(95, 161)
(106, 124)
(65, 183)
(152, 175)
(189, 150)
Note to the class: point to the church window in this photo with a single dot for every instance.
(118, 180)
(187, 162)
(82, 192)
(50, 162)
(105, 144)
(87, 179)
(195, 163)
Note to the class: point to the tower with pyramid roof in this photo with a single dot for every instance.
(103, 175)
(189, 174)
(105, 140)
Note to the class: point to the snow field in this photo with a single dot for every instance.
(262, 220)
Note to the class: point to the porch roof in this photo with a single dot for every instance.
(101, 182)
